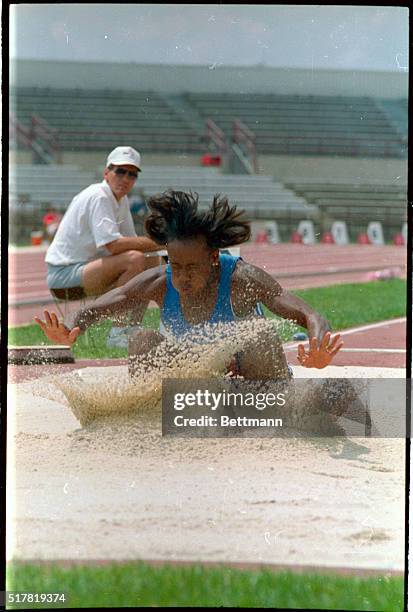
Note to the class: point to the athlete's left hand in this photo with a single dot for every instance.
(320, 355)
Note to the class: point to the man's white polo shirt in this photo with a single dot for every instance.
(93, 219)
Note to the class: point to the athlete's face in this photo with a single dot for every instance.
(121, 179)
(192, 264)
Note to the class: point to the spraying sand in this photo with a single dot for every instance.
(114, 488)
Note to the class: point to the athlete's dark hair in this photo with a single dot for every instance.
(174, 215)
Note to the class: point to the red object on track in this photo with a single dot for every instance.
(327, 238)
(261, 238)
(363, 239)
(36, 238)
(296, 238)
(398, 240)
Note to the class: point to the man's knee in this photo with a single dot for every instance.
(135, 261)
(152, 261)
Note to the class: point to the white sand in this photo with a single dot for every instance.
(116, 489)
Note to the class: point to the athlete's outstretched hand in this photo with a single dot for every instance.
(319, 355)
(57, 332)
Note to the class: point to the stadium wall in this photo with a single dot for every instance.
(215, 78)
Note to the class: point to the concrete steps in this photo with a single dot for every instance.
(59, 184)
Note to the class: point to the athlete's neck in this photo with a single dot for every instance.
(203, 296)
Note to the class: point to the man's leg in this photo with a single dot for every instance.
(106, 273)
(264, 358)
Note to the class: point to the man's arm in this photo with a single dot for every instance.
(133, 243)
(107, 232)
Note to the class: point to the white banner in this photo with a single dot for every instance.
(404, 232)
(375, 233)
(306, 229)
(272, 232)
(339, 232)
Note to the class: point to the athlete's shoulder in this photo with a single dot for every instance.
(250, 277)
(245, 271)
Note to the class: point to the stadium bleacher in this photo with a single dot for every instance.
(397, 113)
(292, 124)
(307, 124)
(47, 184)
(260, 196)
(355, 202)
(33, 188)
(58, 184)
(96, 120)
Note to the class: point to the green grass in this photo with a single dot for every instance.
(140, 585)
(91, 345)
(343, 305)
(356, 304)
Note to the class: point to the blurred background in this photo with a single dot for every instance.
(297, 113)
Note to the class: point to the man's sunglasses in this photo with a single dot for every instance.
(122, 172)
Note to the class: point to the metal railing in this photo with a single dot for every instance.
(38, 136)
(246, 140)
(40, 129)
(19, 132)
(215, 138)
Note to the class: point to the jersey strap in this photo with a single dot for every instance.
(172, 318)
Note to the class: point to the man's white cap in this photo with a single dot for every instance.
(124, 155)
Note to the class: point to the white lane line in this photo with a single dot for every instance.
(355, 330)
(40, 249)
(25, 285)
(373, 350)
(363, 350)
(16, 300)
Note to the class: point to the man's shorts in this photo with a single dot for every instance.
(64, 277)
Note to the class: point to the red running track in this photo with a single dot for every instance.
(295, 266)
(381, 345)
(388, 335)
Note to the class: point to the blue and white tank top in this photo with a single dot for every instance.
(172, 318)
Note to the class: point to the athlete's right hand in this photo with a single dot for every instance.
(57, 332)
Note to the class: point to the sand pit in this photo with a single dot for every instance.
(115, 489)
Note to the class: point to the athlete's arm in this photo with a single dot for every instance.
(264, 288)
(323, 346)
(139, 291)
